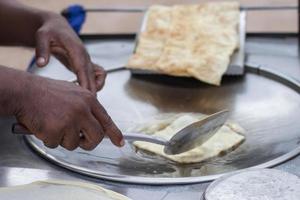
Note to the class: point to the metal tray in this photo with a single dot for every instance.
(265, 103)
(236, 66)
(253, 184)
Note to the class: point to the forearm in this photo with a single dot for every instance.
(19, 23)
(13, 83)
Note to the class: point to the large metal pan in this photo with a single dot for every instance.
(265, 103)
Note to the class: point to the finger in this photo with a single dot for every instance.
(42, 50)
(51, 140)
(92, 134)
(100, 76)
(82, 76)
(71, 139)
(51, 145)
(92, 78)
(62, 60)
(109, 127)
(79, 61)
(62, 55)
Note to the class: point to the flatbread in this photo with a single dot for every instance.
(152, 41)
(226, 139)
(189, 40)
(57, 189)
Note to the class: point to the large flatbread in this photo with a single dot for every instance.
(228, 138)
(189, 40)
(152, 41)
(59, 190)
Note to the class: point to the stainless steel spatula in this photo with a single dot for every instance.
(186, 139)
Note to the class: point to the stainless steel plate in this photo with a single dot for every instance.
(255, 184)
(263, 102)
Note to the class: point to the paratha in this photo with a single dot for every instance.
(228, 138)
(189, 40)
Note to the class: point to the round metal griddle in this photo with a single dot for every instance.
(265, 103)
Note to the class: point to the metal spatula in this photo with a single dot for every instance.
(186, 139)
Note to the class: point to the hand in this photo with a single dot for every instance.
(57, 112)
(56, 37)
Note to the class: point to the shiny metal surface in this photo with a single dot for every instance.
(260, 184)
(145, 138)
(270, 138)
(266, 108)
(137, 9)
(280, 54)
(19, 129)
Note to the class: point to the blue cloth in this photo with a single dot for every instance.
(75, 15)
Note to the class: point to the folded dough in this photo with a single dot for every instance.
(189, 40)
(62, 190)
(227, 138)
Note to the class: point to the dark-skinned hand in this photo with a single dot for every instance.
(59, 112)
(56, 37)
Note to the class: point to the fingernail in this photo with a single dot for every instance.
(41, 61)
(122, 143)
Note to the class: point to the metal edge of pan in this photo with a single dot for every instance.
(260, 70)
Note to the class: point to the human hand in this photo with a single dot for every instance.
(58, 112)
(56, 37)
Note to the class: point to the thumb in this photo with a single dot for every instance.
(42, 50)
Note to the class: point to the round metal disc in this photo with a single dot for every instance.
(266, 108)
(260, 184)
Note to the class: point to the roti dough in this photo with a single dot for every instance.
(189, 40)
(228, 137)
(59, 190)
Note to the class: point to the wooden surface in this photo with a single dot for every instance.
(266, 21)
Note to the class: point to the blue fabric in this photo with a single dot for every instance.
(75, 15)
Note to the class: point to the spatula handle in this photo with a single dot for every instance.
(22, 130)
(144, 138)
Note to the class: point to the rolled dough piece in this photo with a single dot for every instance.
(189, 40)
(59, 190)
(226, 139)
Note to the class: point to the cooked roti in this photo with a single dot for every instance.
(189, 40)
(228, 138)
(62, 190)
(152, 41)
